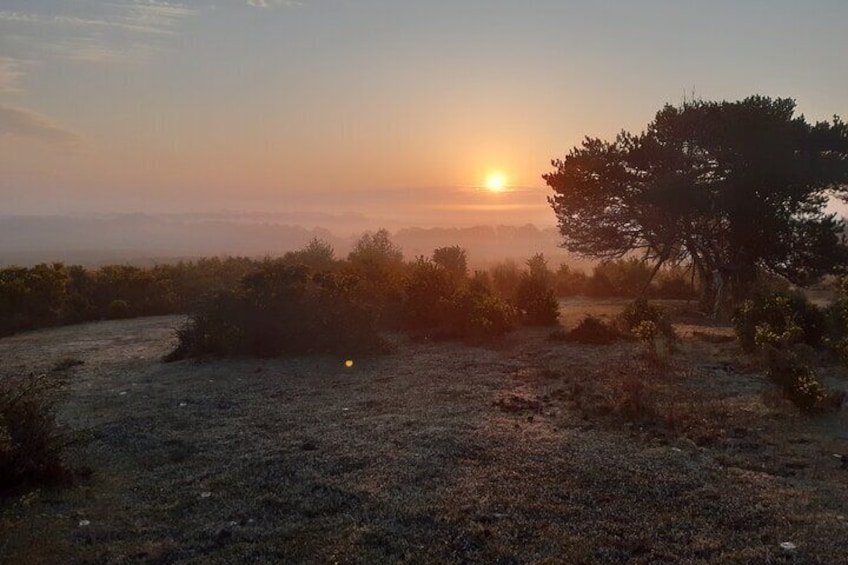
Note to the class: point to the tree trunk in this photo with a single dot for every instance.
(651, 278)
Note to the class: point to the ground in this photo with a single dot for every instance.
(524, 450)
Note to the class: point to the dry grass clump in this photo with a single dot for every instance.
(650, 397)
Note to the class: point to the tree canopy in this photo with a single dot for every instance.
(729, 188)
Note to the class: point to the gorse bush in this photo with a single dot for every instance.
(31, 443)
(796, 379)
(779, 319)
(535, 298)
(282, 309)
(637, 313)
(440, 304)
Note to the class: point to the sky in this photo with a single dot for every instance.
(398, 110)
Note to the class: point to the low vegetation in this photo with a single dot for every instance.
(31, 442)
(784, 328)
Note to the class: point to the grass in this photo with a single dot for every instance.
(524, 450)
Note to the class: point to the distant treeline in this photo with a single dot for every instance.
(56, 294)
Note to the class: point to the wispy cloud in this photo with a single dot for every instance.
(97, 31)
(21, 122)
(268, 3)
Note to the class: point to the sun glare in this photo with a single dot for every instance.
(496, 182)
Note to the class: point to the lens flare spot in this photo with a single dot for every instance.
(349, 363)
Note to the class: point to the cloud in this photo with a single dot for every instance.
(20, 122)
(149, 17)
(117, 31)
(10, 75)
(268, 3)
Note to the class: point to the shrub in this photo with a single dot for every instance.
(622, 277)
(797, 380)
(438, 304)
(570, 282)
(506, 277)
(480, 314)
(594, 331)
(536, 301)
(673, 283)
(118, 310)
(836, 316)
(281, 309)
(634, 317)
(428, 292)
(780, 318)
(31, 443)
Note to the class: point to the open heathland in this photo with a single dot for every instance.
(519, 449)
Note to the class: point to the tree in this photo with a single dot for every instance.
(729, 188)
(453, 259)
(318, 255)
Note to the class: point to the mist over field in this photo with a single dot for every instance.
(146, 239)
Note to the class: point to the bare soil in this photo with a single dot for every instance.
(524, 450)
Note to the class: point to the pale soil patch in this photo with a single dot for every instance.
(436, 452)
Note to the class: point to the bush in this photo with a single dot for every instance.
(438, 304)
(779, 319)
(536, 301)
(279, 310)
(31, 443)
(640, 311)
(594, 331)
(797, 381)
(118, 310)
(836, 316)
(570, 282)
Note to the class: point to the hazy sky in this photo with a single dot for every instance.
(381, 107)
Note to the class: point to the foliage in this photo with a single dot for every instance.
(48, 295)
(570, 282)
(318, 255)
(505, 277)
(593, 331)
(727, 187)
(836, 315)
(797, 380)
(453, 259)
(621, 277)
(378, 263)
(281, 310)
(439, 305)
(779, 319)
(640, 311)
(31, 443)
(536, 300)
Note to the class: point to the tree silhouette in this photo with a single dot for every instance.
(726, 187)
(454, 259)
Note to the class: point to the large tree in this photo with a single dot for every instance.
(730, 188)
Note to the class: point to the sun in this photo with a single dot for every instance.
(495, 182)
